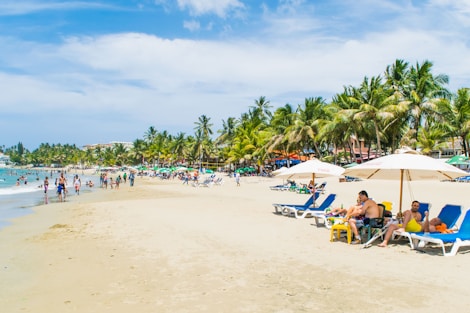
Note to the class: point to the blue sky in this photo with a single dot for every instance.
(95, 71)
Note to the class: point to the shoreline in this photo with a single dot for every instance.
(20, 200)
(162, 246)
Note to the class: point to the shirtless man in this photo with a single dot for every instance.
(412, 221)
(62, 184)
(369, 209)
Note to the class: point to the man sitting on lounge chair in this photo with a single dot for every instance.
(411, 220)
(369, 210)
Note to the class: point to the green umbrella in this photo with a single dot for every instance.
(350, 165)
(209, 171)
(458, 160)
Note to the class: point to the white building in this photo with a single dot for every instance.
(4, 160)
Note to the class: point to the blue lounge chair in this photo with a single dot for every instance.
(303, 213)
(458, 239)
(423, 207)
(449, 215)
(278, 207)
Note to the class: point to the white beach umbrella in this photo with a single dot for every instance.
(405, 166)
(311, 169)
(279, 171)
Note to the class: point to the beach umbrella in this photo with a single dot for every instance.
(311, 169)
(279, 171)
(181, 169)
(458, 160)
(405, 166)
(350, 165)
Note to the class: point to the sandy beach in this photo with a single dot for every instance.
(161, 246)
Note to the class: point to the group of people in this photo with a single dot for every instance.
(366, 209)
(61, 185)
(106, 180)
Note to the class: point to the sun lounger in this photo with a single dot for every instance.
(457, 240)
(303, 213)
(449, 215)
(279, 207)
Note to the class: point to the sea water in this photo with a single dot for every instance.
(22, 189)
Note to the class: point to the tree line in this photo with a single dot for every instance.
(407, 105)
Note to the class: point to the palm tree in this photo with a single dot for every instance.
(120, 154)
(374, 106)
(282, 121)
(227, 133)
(204, 126)
(309, 119)
(430, 140)
(261, 110)
(459, 118)
(178, 146)
(151, 134)
(423, 91)
(203, 131)
(137, 151)
(397, 76)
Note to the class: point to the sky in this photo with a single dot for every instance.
(96, 71)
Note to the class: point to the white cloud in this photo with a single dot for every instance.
(219, 7)
(192, 25)
(120, 84)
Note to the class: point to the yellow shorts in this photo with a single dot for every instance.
(413, 226)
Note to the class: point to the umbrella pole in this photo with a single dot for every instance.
(400, 214)
(313, 181)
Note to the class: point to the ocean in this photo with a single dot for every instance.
(21, 190)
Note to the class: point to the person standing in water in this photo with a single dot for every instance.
(77, 183)
(46, 188)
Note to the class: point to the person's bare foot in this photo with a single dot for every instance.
(382, 245)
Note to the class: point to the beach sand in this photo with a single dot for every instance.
(166, 247)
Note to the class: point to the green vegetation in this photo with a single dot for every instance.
(408, 105)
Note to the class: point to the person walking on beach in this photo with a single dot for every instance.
(124, 176)
(118, 181)
(62, 187)
(237, 178)
(77, 183)
(59, 193)
(131, 179)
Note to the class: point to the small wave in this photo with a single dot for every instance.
(19, 189)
